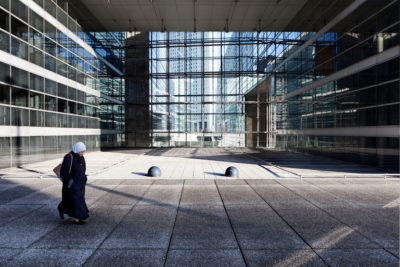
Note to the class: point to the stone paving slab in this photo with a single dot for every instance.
(323, 231)
(127, 257)
(200, 195)
(328, 199)
(205, 163)
(69, 236)
(202, 227)
(359, 257)
(370, 194)
(145, 227)
(147, 181)
(229, 181)
(6, 186)
(15, 193)
(40, 197)
(394, 251)
(51, 257)
(11, 212)
(199, 182)
(258, 227)
(239, 195)
(162, 195)
(256, 219)
(313, 224)
(24, 231)
(283, 257)
(209, 257)
(8, 253)
(123, 195)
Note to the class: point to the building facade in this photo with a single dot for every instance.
(337, 92)
(332, 90)
(198, 81)
(53, 83)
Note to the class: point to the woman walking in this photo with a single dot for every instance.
(74, 179)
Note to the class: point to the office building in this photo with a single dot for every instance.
(311, 76)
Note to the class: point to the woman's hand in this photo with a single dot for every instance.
(70, 183)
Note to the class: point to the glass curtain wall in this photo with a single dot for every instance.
(56, 88)
(353, 115)
(198, 82)
(110, 47)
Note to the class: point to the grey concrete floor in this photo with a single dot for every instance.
(188, 218)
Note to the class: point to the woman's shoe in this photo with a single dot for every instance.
(61, 214)
(79, 222)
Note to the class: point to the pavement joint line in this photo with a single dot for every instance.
(274, 173)
(115, 227)
(351, 203)
(288, 224)
(339, 220)
(269, 163)
(34, 192)
(49, 232)
(23, 215)
(173, 226)
(230, 223)
(283, 169)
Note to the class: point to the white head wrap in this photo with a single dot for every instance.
(78, 147)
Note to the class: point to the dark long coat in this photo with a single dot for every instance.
(73, 197)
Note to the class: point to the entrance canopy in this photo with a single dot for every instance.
(205, 15)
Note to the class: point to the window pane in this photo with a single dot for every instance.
(36, 82)
(62, 90)
(50, 30)
(19, 9)
(19, 29)
(62, 120)
(71, 107)
(50, 7)
(36, 56)
(50, 63)
(4, 3)
(4, 41)
(4, 94)
(37, 118)
(19, 48)
(4, 115)
(19, 77)
(62, 105)
(51, 87)
(4, 22)
(80, 109)
(36, 39)
(19, 117)
(19, 97)
(50, 119)
(36, 100)
(36, 21)
(39, 2)
(4, 72)
(50, 103)
(71, 93)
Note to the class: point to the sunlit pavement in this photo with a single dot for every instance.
(284, 209)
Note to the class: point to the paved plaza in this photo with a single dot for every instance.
(284, 209)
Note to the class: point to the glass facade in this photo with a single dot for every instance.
(334, 93)
(257, 89)
(335, 101)
(50, 77)
(198, 82)
(109, 46)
